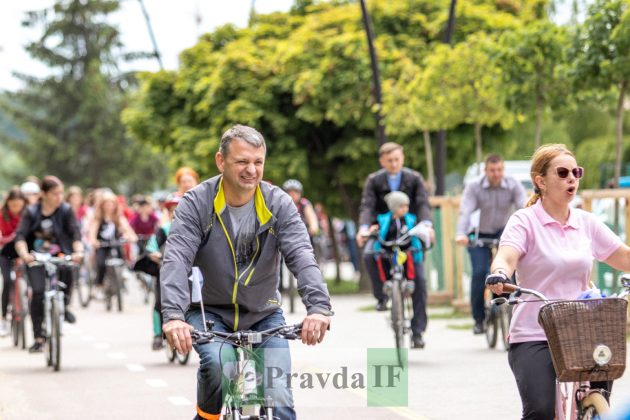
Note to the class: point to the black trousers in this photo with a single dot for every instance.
(418, 298)
(37, 280)
(536, 379)
(5, 267)
(102, 254)
(7, 255)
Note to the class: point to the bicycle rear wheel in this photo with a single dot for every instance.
(593, 406)
(398, 323)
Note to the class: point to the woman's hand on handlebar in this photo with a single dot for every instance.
(495, 282)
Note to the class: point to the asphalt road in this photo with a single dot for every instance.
(110, 372)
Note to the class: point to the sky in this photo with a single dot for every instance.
(174, 24)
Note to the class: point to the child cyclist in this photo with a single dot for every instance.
(391, 225)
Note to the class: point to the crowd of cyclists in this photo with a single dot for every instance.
(44, 216)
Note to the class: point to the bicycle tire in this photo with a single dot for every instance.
(85, 287)
(505, 318)
(55, 336)
(593, 406)
(170, 353)
(492, 325)
(15, 332)
(182, 359)
(119, 289)
(109, 287)
(397, 319)
(22, 324)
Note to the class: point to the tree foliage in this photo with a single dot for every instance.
(71, 119)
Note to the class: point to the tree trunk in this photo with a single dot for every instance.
(619, 130)
(539, 116)
(478, 146)
(428, 152)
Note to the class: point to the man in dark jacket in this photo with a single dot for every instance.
(234, 228)
(392, 177)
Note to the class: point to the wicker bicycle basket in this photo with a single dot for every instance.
(579, 330)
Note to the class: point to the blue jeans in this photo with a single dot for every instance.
(217, 361)
(480, 259)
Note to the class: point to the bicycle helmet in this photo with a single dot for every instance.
(292, 185)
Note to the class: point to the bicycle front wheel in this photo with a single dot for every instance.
(398, 321)
(505, 317)
(85, 287)
(55, 337)
(492, 325)
(594, 406)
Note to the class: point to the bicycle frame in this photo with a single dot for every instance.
(243, 403)
(53, 302)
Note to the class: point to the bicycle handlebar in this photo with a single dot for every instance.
(43, 258)
(485, 242)
(239, 338)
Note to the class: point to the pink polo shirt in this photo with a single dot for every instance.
(554, 259)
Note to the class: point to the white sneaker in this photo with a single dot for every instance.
(4, 328)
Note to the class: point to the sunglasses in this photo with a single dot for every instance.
(564, 172)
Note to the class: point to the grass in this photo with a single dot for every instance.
(344, 287)
(467, 326)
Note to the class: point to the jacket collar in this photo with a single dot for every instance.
(263, 213)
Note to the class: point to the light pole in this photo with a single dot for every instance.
(376, 80)
(440, 164)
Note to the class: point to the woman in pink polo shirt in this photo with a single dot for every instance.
(551, 246)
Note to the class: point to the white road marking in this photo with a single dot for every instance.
(177, 400)
(156, 383)
(135, 367)
(87, 338)
(117, 355)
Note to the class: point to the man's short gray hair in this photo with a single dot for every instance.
(247, 134)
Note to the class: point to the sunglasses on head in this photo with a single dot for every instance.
(564, 172)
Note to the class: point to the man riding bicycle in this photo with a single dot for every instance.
(394, 177)
(234, 227)
(496, 196)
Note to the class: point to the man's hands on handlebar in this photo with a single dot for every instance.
(178, 335)
(363, 235)
(314, 328)
(462, 240)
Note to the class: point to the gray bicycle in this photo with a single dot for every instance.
(54, 304)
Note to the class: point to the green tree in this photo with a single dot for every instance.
(303, 79)
(531, 58)
(71, 119)
(601, 58)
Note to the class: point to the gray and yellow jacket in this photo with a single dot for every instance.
(201, 235)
